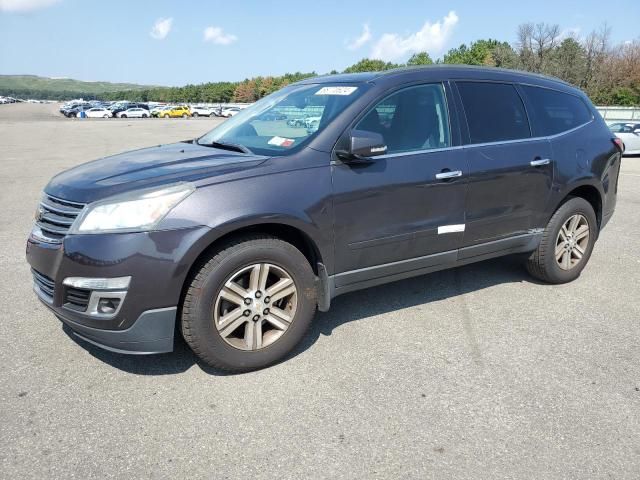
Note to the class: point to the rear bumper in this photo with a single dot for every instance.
(151, 333)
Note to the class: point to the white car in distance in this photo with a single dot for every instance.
(629, 133)
(230, 112)
(133, 113)
(200, 111)
(98, 113)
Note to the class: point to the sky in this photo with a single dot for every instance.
(175, 42)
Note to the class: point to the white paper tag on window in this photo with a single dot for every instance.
(451, 229)
(336, 90)
(281, 142)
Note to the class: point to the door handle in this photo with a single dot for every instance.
(448, 174)
(540, 161)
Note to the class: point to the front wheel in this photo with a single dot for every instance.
(194, 114)
(567, 243)
(249, 304)
(123, 116)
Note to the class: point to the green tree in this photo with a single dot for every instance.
(370, 65)
(483, 52)
(420, 58)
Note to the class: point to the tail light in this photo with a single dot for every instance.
(618, 142)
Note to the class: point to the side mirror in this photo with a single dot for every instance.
(360, 145)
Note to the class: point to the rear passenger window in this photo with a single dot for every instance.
(411, 119)
(494, 112)
(555, 112)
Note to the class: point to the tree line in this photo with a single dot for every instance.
(609, 74)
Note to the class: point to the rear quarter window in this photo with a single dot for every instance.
(554, 112)
(494, 112)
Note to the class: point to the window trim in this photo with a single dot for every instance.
(388, 93)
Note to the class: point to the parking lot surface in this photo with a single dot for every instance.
(478, 372)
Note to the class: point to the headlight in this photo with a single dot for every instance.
(136, 211)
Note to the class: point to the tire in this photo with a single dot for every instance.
(202, 305)
(194, 114)
(144, 115)
(544, 264)
(105, 116)
(184, 115)
(123, 116)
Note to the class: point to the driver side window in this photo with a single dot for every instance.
(411, 119)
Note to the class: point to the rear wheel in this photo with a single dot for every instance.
(105, 116)
(184, 115)
(566, 244)
(249, 304)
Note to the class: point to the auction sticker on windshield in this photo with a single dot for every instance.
(336, 90)
(281, 142)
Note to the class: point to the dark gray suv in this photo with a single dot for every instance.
(329, 185)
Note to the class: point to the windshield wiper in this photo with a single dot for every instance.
(234, 147)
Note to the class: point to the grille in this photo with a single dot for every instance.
(44, 283)
(55, 216)
(77, 298)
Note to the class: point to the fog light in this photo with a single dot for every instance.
(108, 306)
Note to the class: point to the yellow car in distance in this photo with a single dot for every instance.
(175, 112)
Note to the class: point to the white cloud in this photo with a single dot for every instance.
(217, 36)
(25, 5)
(364, 37)
(161, 28)
(430, 38)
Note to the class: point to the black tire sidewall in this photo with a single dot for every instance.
(572, 207)
(209, 342)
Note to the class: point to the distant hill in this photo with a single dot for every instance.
(32, 86)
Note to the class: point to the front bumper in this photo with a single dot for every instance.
(151, 333)
(157, 262)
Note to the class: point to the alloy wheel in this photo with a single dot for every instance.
(572, 241)
(256, 306)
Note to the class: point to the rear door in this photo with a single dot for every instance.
(511, 173)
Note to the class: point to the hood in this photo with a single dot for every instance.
(147, 167)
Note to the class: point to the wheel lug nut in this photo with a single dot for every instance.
(256, 318)
(267, 299)
(247, 301)
(266, 311)
(258, 294)
(247, 313)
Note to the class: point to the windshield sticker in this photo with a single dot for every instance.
(281, 142)
(336, 90)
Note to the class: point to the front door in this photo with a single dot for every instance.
(393, 214)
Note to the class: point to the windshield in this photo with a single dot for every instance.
(285, 120)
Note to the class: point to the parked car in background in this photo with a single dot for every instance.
(230, 112)
(76, 109)
(175, 112)
(629, 133)
(272, 116)
(135, 112)
(121, 107)
(248, 230)
(200, 111)
(155, 111)
(99, 112)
